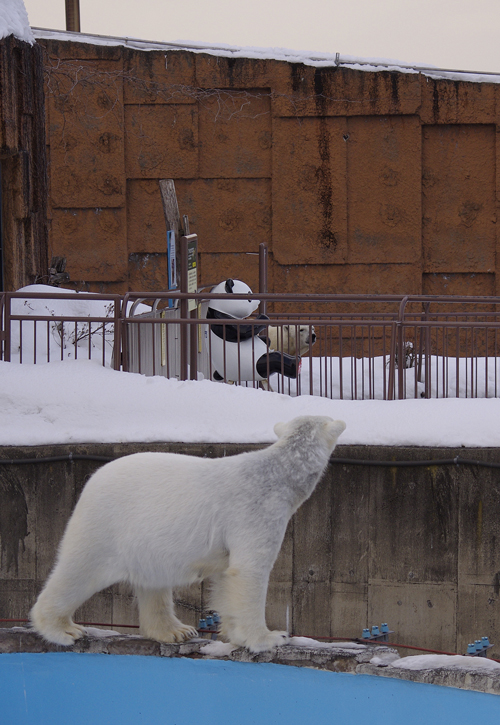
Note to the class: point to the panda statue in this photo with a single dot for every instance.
(238, 354)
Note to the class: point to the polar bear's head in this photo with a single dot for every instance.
(292, 339)
(311, 427)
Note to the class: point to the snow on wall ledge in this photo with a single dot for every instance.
(14, 21)
(318, 60)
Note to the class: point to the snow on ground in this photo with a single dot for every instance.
(14, 21)
(454, 662)
(80, 401)
(216, 648)
(309, 642)
(363, 378)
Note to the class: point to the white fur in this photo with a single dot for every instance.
(284, 338)
(165, 520)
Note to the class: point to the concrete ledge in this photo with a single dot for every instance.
(341, 657)
(462, 679)
(344, 657)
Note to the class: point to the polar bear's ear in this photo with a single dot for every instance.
(335, 428)
(280, 429)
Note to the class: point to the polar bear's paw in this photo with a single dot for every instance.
(266, 640)
(178, 633)
(72, 633)
(62, 631)
(184, 632)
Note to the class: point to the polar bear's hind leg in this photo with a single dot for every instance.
(157, 617)
(54, 622)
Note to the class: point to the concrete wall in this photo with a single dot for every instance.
(359, 182)
(416, 547)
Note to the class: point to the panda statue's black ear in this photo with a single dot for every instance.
(229, 286)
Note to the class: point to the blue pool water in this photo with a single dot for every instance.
(88, 689)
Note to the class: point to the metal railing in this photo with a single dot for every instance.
(455, 345)
(346, 326)
(43, 327)
(365, 346)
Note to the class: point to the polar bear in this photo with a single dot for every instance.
(284, 338)
(166, 520)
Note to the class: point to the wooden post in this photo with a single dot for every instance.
(185, 280)
(172, 217)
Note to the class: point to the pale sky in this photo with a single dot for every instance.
(455, 34)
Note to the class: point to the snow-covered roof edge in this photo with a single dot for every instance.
(318, 60)
(14, 21)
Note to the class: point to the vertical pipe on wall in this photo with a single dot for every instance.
(73, 15)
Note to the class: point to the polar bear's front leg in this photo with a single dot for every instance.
(239, 595)
(157, 618)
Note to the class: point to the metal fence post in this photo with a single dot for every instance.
(263, 259)
(8, 324)
(183, 373)
(189, 283)
(117, 341)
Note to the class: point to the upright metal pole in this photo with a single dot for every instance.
(263, 274)
(1, 234)
(184, 311)
(118, 347)
(73, 15)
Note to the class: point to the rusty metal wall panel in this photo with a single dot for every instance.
(458, 283)
(146, 231)
(235, 134)
(458, 198)
(384, 181)
(86, 134)
(161, 141)
(348, 278)
(158, 77)
(445, 101)
(309, 191)
(93, 242)
(229, 215)
(322, 164)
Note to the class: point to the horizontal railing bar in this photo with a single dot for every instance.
(248, 321)
(311, 296)
(268, 296)
(476, 324)
(264, 296)
(270, 322)
(60, 318)
(63, 296)
(240, 322)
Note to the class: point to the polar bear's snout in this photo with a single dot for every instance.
(292, 339)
